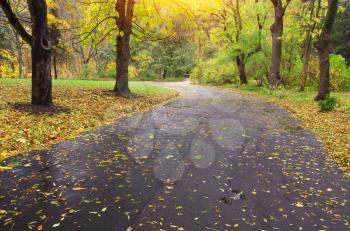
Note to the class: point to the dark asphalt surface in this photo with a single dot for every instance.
(210, 160)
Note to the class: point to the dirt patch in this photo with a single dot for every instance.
(39, 110)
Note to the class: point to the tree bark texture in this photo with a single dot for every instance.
(308, 43)
(41, 54)
(125, 9)
(323, 48)
(277, 33)
(41, 48)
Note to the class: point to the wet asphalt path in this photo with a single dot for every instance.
(209, 160)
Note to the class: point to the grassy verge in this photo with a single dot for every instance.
(85, 105)
(332, 128)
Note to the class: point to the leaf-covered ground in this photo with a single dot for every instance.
(81, 106)
(332, 128)
(211, 160)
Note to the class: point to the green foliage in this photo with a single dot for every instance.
(105, 61)
(340, 73)
(328, 104)
(341, 33)
(84, 72)
(218, 70)
(292, 61)
(169, 58)
(258, 66)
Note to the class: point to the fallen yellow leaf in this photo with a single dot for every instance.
(78, 189)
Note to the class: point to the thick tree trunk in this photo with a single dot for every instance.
(41, 54)
(125, 10)
(277, 33)
(41, 48)
(123, 56)
(324, 82)
(241, 69)
(275, 69)
(323, 48)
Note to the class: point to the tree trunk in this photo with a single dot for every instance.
(323, 48)
(54, 60)
(240, 58)
(125, 11)
(275, 69)
(164, 73)
(305, 63)
(41, 48)
(123, 56)
(307, 45)
(41, 54)
(55, 36)
(277, 33)
(241, 69)
(19, 55)
(324, 83)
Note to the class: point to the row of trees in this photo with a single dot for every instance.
(322, 45)
(297, 30)
(41, 42)
(169, 38)
(71, 37)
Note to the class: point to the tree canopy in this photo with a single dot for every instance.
(216, 41)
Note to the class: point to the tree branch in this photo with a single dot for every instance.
(14, 21)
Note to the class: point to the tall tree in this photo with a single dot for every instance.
(240, 58)
(323, 48)
(19, 48)
(277, 33)
(125, 14)
(341, 33)
(41, 48)
(308, 40)
(243, 57)
(242, 52)
(55, 36)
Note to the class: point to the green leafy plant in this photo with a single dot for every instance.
(328, 104)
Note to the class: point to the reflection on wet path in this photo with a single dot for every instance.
(210, 160)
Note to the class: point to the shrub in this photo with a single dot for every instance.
(340, 73)
(84, 72)
(257, 67)
(328, 104)
(218, 70)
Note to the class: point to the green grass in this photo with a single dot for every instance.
(293, 94)
(95, 84)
